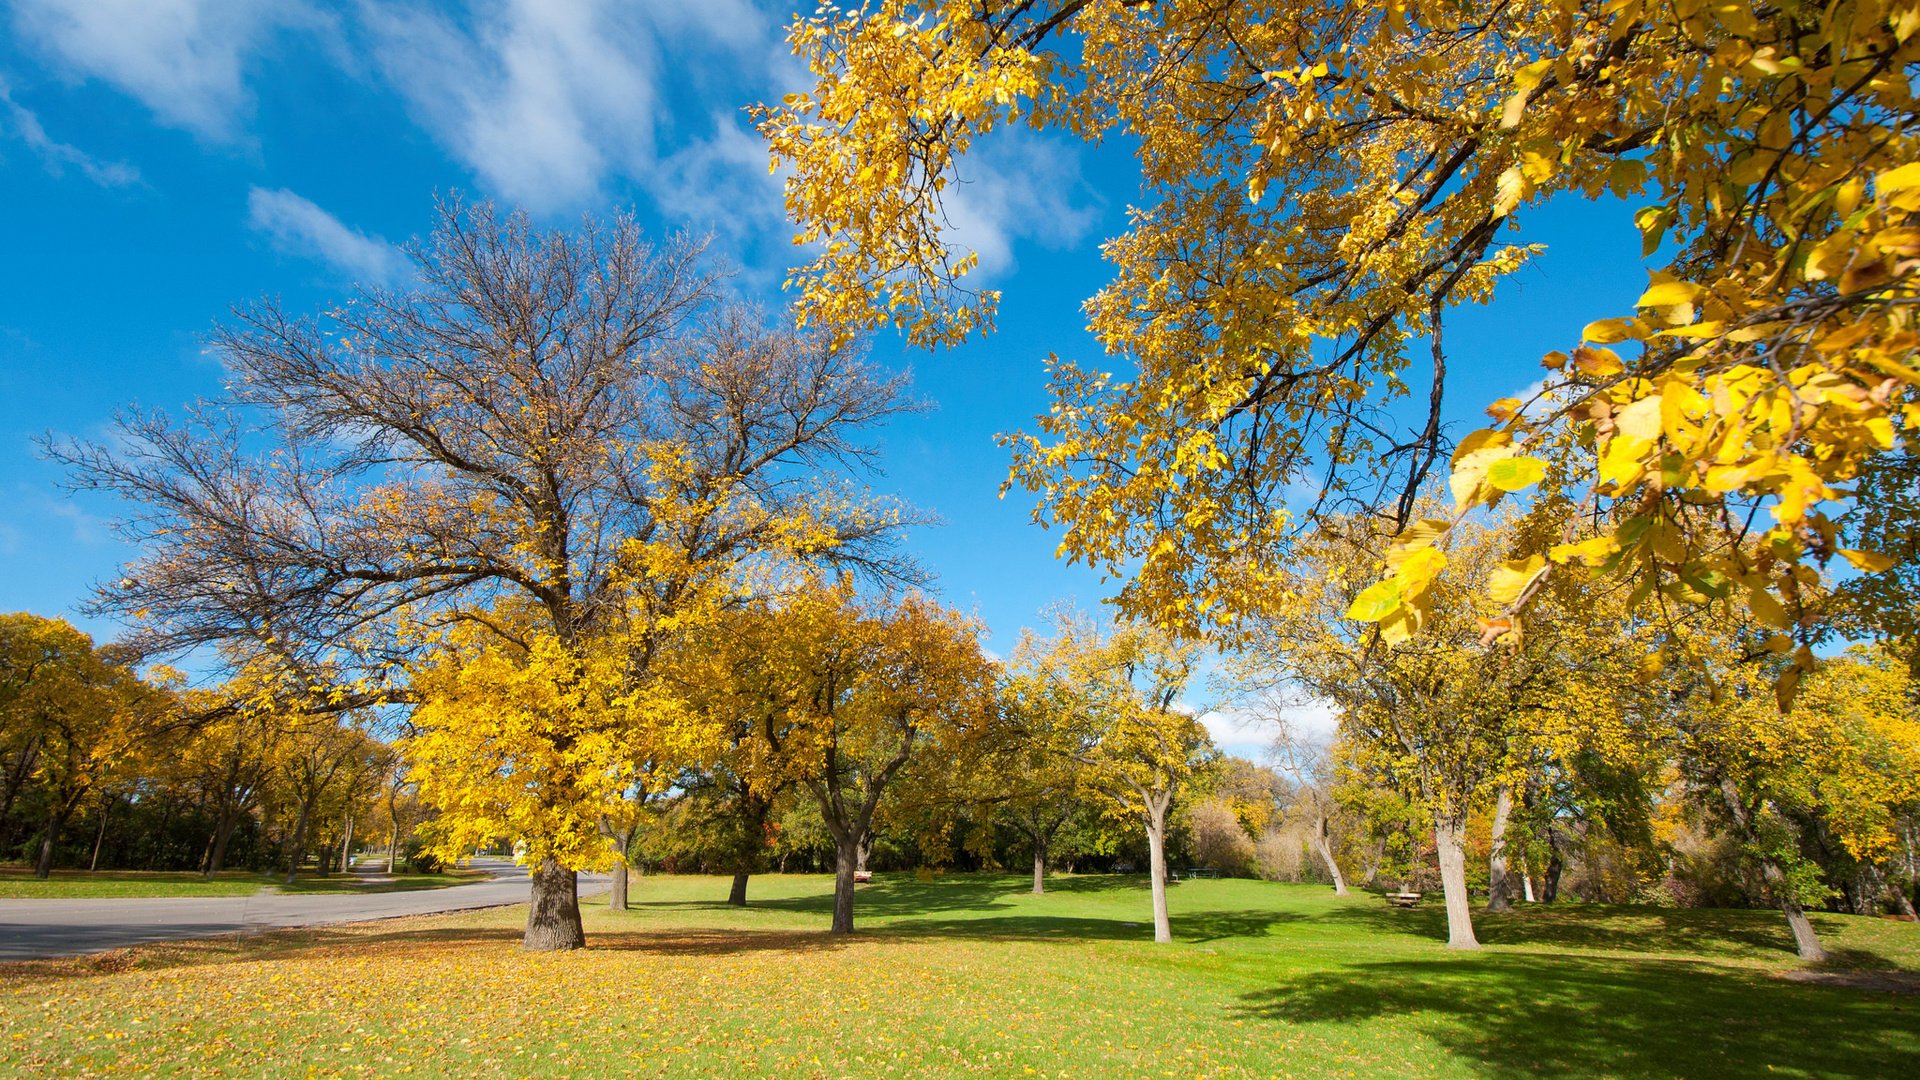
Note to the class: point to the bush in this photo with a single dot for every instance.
(1219, 841)
(419, 860)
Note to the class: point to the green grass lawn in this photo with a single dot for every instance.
(18, 883)
(971, 974)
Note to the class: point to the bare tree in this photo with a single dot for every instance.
(1306, 759)
(416, 457)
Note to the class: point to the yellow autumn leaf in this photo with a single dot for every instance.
(1867, 562)
(1608, 331)
(1514, 577)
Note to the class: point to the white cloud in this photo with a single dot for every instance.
(299, 227)
(184, 59)
(59, 156)
(541, 100)
(1018, 186)
(737, 24)
(1258, 718)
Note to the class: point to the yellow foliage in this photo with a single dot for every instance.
(1320, 183)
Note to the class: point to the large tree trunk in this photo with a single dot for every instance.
(1449, 837)
(622, 877)
(223, 829)
(1526, 882)
(1897, 896)
(346, 845)
(617, 891)
(56, 821)
(1157, 865)
(1499, 888)
(393, 844)
(846, 861)
(865, 850)
(737, 895)
(553, 918)
(1323, 843)
(1039, 866)
(43, 864)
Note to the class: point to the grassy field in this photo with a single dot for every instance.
(971, 974)
(18, 883)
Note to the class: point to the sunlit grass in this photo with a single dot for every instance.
(970, 973)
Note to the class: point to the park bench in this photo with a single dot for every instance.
(861, 877)
(1402, 899)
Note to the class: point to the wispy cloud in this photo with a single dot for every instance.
(297, 226)
(184, 59)
(541, 100)
(58, 156)
(1019, 187)
(719, 183)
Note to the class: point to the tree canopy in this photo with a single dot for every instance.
(1320, 184)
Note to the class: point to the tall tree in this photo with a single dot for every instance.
(1844, 759)
(573, 428)
(1306, 758)
(847, 698)
(80, 715)
(1445, 717)
(1134, 743)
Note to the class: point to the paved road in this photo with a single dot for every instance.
(31, 929)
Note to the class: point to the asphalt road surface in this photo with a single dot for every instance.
(32, 929)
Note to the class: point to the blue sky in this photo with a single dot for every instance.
(161, 160)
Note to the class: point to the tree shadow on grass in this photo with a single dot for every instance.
(1193, 928)
(1514, 1016)
(1706, 932)
(889, 896)
(375, 947)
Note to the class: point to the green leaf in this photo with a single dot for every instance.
(1377, 601)
(1516, 473)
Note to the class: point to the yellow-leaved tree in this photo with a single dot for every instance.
(540, 460)
(1838, 768)
(1321, 183)
(847, 697)
(73, 717)
(1112, 698)
(1455, 718)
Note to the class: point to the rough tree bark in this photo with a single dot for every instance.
(846, 858)
(1449, 837)
(1499, 887)
(553, 916)
(737, 895)
(1039, 866)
